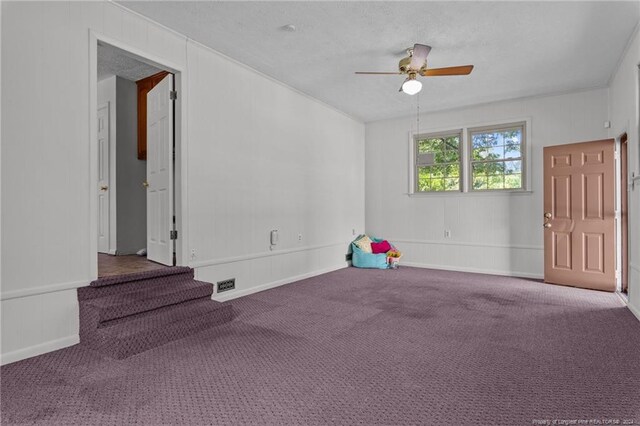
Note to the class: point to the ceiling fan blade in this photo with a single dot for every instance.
(420, 52)
(435, 72)
(378, 73)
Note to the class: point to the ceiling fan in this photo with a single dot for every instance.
(416, 64)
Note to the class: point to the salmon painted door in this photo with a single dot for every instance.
(579, 215)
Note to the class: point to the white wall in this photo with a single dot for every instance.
(624, 102)
(130, 172)
(276, 161)
(492, 233)
(258, 158)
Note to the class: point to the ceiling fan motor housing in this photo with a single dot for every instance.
(404, 65)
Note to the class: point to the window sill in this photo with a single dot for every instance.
(487, 193)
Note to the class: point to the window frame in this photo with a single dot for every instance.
(522, 125)
(433, 135)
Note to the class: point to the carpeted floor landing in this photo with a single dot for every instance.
(410, 346)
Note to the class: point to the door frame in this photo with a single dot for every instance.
(622, 212)
(180, 138)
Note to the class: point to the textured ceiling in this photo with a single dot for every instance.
(518, 48)
(113, 61)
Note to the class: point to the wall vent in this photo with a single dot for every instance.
(226, 285)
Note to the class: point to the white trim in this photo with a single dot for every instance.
(635, 311)
(181, 136)
(214, 262)
(240, 293)
(467, 244)
(465, 156)
(35, 291)
(113, 252)
(516, 274)
(486, 193)
(39, 349)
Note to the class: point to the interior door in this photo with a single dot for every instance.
(579, 215)
(160, 172)
(103, 179)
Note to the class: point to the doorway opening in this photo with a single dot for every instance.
(134, 162)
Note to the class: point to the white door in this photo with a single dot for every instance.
(160, 172)
(103, 178)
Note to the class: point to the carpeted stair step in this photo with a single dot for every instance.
(172, 273)
(143, 297)
(123, 337)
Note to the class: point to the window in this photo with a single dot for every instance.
(470, 159)
(438, 160)
(497, 157)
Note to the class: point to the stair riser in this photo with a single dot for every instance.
(125, 310)
(123, 347)
(145, 275)
(88, 293)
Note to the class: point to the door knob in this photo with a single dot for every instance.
(145, 184)
(104, 188)
(547, 215)
(547, 225)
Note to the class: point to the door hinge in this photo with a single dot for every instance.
(173, 235)
(173, 95)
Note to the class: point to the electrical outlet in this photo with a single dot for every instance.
(447, 233)
(226, 285)
(299, 237)
(193, 254)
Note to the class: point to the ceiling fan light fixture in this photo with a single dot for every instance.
(411, 86)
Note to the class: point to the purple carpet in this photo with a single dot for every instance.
(410, 346)
(128, 314)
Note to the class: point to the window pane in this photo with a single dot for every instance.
(479, 182)
(512, 151)
(437, 171)
(446, 164)
(494, 145)
(484, 140)
(513, 181)
(511, 167)
(452, 170)
(452, 156)
(496, 159)
(496, 182)
(437, 184)
(452, 184)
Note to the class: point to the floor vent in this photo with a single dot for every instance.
(226, 285)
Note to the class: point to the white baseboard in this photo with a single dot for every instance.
(35, 291)
(31, 351)
(474, 270)
(635, 311)
(240, 293)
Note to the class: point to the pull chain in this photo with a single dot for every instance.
(418, 114)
